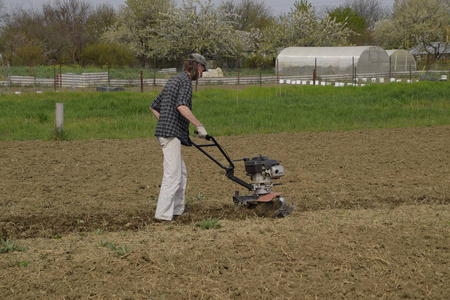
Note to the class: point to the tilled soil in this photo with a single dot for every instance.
(372, 220)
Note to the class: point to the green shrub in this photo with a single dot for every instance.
(28, 54)
(107, 54)
(256, 60)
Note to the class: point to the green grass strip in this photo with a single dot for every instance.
(255, 110)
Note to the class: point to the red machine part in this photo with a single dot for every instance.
(268, 197)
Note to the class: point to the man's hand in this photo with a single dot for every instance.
(201, 131)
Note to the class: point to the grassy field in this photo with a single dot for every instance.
(254, 110)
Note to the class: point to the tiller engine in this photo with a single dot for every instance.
(262, 172)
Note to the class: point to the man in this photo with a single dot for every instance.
(172, 108)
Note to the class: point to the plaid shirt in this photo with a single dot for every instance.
(177, 92)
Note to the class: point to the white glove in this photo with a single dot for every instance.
(201, 131)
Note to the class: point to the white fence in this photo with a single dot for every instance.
(101, 79)
(65, 80)
(83, 80)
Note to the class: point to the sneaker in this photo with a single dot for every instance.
(185, 214)
(156, 220)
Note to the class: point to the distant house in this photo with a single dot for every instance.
(432, 51)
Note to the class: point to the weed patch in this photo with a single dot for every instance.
(20, 264)
(119, 250)
(10, 246)
(210, 223)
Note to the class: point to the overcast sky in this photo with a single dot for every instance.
(279, 6)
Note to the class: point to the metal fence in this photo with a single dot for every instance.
(160, 77)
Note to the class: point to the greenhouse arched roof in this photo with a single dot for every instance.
(333, 60)
(401, 60)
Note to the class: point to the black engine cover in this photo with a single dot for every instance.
(256, 164)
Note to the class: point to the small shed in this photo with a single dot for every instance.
(433, 49)
(401, 60)
(301, 61)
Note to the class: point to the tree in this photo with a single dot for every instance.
(196, 27)
(387, 35)
(371, 10)
(248, 14)
(302, 27)
(64, 31)
(353, 21)
(137, 25)
(419, 23)
(2, 12)
(59, 31)
(100, 20)
(20, 34)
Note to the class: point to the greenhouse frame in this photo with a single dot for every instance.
(401, 60)
(333, 61)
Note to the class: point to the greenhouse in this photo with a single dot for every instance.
(401, 60)
(348, 61)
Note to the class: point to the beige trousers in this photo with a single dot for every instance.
(171, 200)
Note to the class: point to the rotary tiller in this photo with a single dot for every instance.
(262, 172)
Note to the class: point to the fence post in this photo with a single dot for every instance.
(353, 70)
(390, 66)
(410, 74)
(315, 71)
(108, 75)
(59, 121)
(238, 71)
(54, 75)
(239, 76)
(60, 75)
(278, 71)
(34, 73)
(154, 72)
(9, 75)
(260, 76)
(142, 81)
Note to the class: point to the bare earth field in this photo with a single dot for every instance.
(372, 220)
